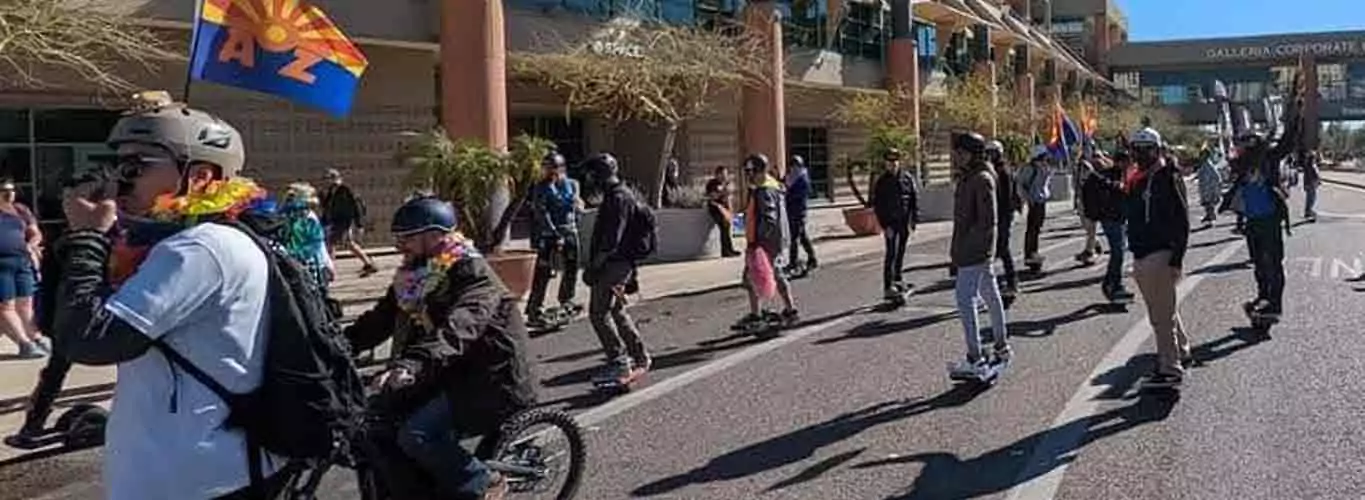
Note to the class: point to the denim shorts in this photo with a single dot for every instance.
(16, 278)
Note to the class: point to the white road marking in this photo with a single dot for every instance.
(591, 418)
(1314, 265)
(1042, 474)
(1351, 270)
(654, 391)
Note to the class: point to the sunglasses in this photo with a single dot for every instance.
(131, 166)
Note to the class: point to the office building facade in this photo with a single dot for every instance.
(829, 45)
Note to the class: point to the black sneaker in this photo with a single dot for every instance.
(812, 264)
(748, 319)
(1162, 381)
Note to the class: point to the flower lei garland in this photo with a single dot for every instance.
(413, 283)
(227, 198)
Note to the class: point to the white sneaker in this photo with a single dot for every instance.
(967, 369)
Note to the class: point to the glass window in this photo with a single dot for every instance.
(862, 33)
(16, 163)
(1356, 81)
(1332, 81)
(568, 135)
(534, 4)
(590, 7)
(73, 125)
(14, 125)
(926, 38)
(678, 11)
(812, 143)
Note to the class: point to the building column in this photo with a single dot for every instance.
(763, 119)
(1100, 55)
(1312, 117)
(474, 71)
(902, 64)
(1025, 89)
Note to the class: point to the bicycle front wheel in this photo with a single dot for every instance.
(542, 455)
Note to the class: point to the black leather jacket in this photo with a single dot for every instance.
(476, 352)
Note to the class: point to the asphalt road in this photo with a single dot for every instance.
(855, 404)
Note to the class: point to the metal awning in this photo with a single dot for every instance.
(948, 12)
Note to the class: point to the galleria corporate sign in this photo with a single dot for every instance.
(1288, 50)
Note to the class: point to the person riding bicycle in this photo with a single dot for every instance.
(459, 365)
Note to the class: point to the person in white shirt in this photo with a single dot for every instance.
(200, 291)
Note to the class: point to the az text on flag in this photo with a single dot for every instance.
(282, 47)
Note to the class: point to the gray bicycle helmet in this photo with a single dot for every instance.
(191, 135)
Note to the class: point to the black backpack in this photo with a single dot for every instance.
(311, 399)
(640, 239)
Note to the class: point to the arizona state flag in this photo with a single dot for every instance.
(288, 48)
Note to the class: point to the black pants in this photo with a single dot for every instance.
(1037, 213)
(548, 258)
(897, 238)
(1266, 244)
(727, 237)
(50, 382)
(802, 237)
(1002, 250)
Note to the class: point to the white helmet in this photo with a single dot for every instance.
(1039, 150)
(995, 146)
(1145, 136)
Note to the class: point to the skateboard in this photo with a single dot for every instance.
(1261, 323)
(622, 384)
(900, 296)
(768, 325)
(556, 318)
(997, 367)
(1117, 303)
(80, 427)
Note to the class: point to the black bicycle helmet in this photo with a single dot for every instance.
(553, 160)
(970, 142)
(424, 214)
(602, 167)
(756, 163)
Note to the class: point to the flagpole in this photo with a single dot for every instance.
(194, 43)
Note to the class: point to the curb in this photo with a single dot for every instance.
(1355, 185)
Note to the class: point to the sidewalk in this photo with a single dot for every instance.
(1352, 179)
(835, 243)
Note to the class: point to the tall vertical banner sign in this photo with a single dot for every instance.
(287, 48)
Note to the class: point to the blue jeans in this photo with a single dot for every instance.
(979, 282)
(1113, 277)
(431, 437)
(1310, 199)
(17, 280)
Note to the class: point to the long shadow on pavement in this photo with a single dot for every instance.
(1227, 345)
(946, 475)
(879, 328)
(1047, 326)
(793, 447)
(705, 350)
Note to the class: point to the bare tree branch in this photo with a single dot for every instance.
(643, 70)
(85, 38)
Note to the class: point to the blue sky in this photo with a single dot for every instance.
(1177, 19)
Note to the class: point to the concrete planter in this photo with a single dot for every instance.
(516, 269)
(936, 203)
(685, 234)
(862, 221)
